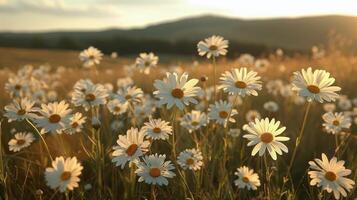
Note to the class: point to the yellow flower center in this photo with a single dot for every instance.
(156, 130)
(18, 87)
(55, 118)
(240, 84)
(313, 89)
(336, 122)
(189, 161)
(127, 97)
(177, 93)
(132, 149)
(213, 48)
(20, 142)
(117, 109)
(147, 63)
(21, 112)
(155, 172)
(331, 176)
(90, 97)
(245, 179)
(266, 137)
(223, 114)
(65, 176)
(194, 123)
(75, 125)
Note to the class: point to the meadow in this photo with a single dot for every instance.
(83, 125)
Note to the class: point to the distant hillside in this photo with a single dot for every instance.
(258, 35)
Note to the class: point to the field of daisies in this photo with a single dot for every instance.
(272, 127)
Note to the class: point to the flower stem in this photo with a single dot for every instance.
(214, 77)
(40, 135)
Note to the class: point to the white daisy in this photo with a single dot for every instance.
(246, 178)
(194, 120)
(54, 117)
(213, 46)
(315, 85)
(330, 175)
(157, 129)
(264, 135)
(90, 95)
(76, 124)
(241, 82)
(18, 111)
(64, 174)
(17, 87)
(90, 57)
(271, 106)
(329, 107)
(190, 159)
(335, 122)
(20, 141)
(130, 94)
(175, 90)
(155, 170)
(116, 107)
(251, 115)
(246, 60)
(261, 65)
(220, 112)
(146, 61)
(234, 132)
(130, 147)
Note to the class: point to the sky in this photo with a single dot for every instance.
(45, 15)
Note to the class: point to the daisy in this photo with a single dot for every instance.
(157, 129)
(64, 174)
(344, 103)
(155, 170)
(76, 124)
(190, 159)
(246, 60)
(194, 120)
(251, 115)
(271, 106)
(54, 117)
(17, 87)
(335, 122)
(246, 178)
(315, 85)
(125, 82)
(234, 132)
(330, 175)
(264, 135)
(213, 46)
(146, 61)
(90, 95)
(220, 112)
(20, 141)
(241, 82)
(116, 107)
(261, 65)
(175, 90)
(20, 110)
(90, 57)
(329, 107)
(130, 94)
(116, 125)
(130, 147)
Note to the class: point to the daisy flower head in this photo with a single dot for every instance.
(157, 129)
(76, 124)
(90, 95)
(261, 65)
(213, 46)
(64, 174)
(315, 85)
(130, 147)
(190, 159)
(90, 57)
(17, 87)
(246, 60)
(344, 103)
(331, 176)
(329, 107)
(146, 61)
(175, 90)
(241, 82)
(20, 141)
(271, 106)
(130, 94)
(335, 122)
(194, 120)
(234, 132)
(116, 107)
(155, 170)
(20, 110)
(54, 117)
(264, 134)
(251, 115)
(246, 178)
(222, 112)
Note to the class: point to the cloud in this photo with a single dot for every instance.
(59, 7)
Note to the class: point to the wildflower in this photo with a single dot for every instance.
(247, 178)
(89, 95)
(90, 57)
(64, 174)
(155, 170)
(190, 159)
(20, 110)
(222, 112)
(271, 106)
(130, 94)
(246, 60)
(116, 107)
(330, 175)
(213, 46)
(335, 122)
(194, 120)
(157, 129)
(264, 135)
(76, 124)
(20, 141)
(251, 115)
(146, 61)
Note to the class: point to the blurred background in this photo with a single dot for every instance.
(173, 27)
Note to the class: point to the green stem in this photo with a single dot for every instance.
(40, 135)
